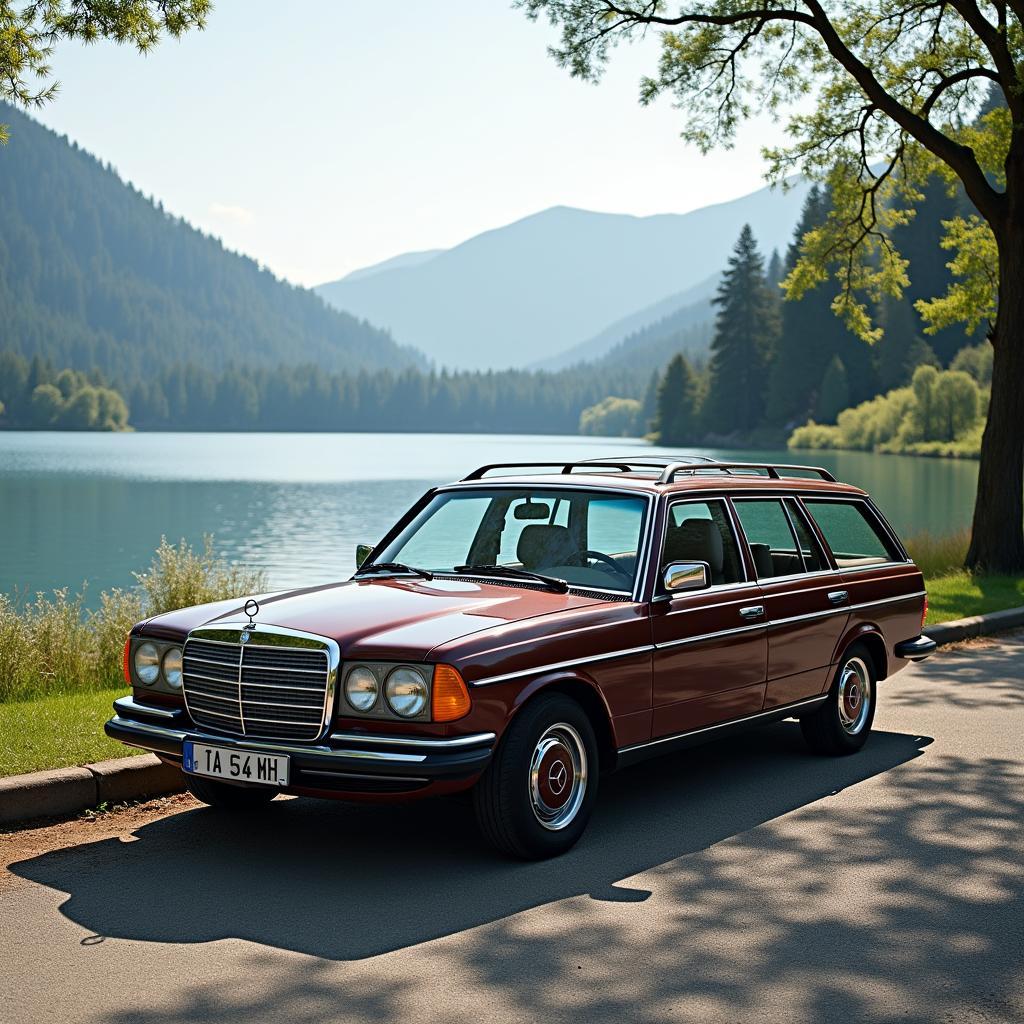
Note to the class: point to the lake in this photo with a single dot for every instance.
(91, 508)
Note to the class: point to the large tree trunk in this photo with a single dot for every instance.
(997, 536)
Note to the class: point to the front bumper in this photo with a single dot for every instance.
(916, 649)
(345, 762)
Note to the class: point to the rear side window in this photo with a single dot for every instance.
(772, 544)
(852, 533)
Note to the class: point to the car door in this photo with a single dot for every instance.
(806, 601)
(710, 656)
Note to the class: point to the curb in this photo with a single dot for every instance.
(976, 625)
(65, 791)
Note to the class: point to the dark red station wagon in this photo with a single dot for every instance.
(519, 635)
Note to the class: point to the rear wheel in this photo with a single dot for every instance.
(537, 794)
(842, 724)
(227, 797)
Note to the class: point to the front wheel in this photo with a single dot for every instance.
(842, 724)
(227, 797)
(537, 794)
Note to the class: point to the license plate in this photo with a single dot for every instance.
(235, 765)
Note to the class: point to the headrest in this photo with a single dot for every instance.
(542, 544)
(696, 540)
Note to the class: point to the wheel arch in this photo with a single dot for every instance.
(870, 636)
(588, 695)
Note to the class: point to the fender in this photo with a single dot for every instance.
(870, 632)
(595, 703)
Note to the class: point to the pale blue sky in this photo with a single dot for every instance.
(321, 136)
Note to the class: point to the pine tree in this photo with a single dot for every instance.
(746, 332)
(649, 406)
(811, 335)
(900, 325)
(676, 421)
(834, 394)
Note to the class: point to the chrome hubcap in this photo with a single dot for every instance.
(854, 696)
(558, 776)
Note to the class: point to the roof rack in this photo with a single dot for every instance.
(562, 467)
(670, 466)
(772, 470)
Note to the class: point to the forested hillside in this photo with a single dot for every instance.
(95, 275)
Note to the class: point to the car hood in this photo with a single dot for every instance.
(395, 618)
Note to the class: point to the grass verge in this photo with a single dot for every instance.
(959, 594)
(58, 731)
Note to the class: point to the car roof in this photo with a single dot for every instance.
(666, 475)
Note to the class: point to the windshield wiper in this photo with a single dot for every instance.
(551, 582)
(375, 567)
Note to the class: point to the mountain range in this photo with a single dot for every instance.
(562, 285)
(95, 275)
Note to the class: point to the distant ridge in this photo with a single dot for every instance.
(549, 283)
(94, 274)
(687, 309)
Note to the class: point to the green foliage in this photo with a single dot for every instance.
(939, 414)
(612, 417)
(896, 88)
(974, 297)
(678, 404)
(29, 33)
(93, 274)
(50, 645)
(68, 400)
(746, 329)
(977, 361)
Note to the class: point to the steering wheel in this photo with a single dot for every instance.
(600, 556)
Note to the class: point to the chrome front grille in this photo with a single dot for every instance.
(263, 688)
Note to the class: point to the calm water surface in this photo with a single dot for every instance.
(90, 508)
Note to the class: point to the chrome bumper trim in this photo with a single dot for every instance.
(449, 743)
(131, 706)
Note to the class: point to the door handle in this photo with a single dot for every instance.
(837, 596)
(753, 611)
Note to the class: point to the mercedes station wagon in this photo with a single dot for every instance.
(532, 627)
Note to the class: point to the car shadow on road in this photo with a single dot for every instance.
(345, 882)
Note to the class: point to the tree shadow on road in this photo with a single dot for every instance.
(345, 882)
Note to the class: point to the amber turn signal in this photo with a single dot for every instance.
(124, 661)
(450, 696)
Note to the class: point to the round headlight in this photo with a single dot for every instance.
(361, 688)
(406, 691)
(147, 663)
(172, 667)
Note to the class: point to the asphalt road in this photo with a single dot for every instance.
(742, 881)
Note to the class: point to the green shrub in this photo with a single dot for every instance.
(940, 413)
(51, 645)
(612, 417)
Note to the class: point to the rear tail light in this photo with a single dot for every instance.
(924, 611)
(450, 697)
(124, 660)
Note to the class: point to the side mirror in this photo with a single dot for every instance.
(362, 553)
(682, 576)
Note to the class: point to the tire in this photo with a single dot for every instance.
(843, 723)
(225, 796)
(536, 796)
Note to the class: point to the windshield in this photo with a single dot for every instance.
(589, 539)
